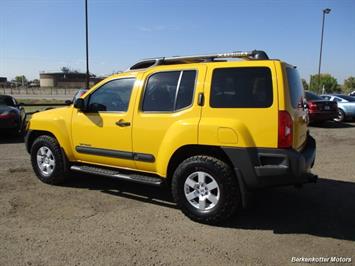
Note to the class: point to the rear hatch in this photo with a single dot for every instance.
(296, 107)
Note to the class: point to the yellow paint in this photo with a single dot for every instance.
(227, 136)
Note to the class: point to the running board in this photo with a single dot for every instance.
(134, 177)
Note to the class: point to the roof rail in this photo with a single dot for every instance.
(252, 55)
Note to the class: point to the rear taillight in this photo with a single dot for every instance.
(7, 115)
(285, 130)
(312, 106)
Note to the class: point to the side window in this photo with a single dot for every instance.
(186, 90)
(337, 99)
(113, 96)
(295, 86)
(169, 91)
(242, 87)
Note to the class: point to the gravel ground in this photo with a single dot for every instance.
(99, 221)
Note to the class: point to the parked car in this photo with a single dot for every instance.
(79, 93)
(352, 93)
(209, 129)
(319, 109)
(346, 106)
(76, 96)
(12, 115)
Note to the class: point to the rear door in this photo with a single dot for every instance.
(168, 114)
(295, 106)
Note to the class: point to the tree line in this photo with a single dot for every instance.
(329, 84)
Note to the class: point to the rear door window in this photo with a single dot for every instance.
(169, 91)
(241, 87)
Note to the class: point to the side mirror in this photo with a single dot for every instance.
(80, 104)
(68, 102)
(96, 107)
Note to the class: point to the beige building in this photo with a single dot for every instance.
(66, 80)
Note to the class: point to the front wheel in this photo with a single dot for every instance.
(47, 160)
(205, 189)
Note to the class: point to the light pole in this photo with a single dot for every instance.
(87, 45)
(325, 11)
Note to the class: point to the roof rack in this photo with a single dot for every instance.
(251, 55)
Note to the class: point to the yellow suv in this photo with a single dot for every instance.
(212, 129)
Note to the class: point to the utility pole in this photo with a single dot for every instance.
(87, 45)
(325, 11)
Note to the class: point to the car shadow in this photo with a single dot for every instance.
(332, 124)
(155, 195)
(325, 209)
(7, 138)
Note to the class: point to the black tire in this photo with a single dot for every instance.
(341, 116)
(229, 194)
(58, 172)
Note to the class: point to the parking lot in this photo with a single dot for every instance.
(95, 220)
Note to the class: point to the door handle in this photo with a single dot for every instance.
(122, 123)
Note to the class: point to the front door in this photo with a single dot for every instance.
(102, 134)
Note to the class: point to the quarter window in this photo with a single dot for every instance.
(295, 86)
(169, 91)
(113, 96)
(241, 87)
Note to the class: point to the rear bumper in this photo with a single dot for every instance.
(322, 116)
(9, 123)
(273, 167)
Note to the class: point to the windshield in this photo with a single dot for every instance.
(310, 96)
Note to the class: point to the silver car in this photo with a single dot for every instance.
(346, 105)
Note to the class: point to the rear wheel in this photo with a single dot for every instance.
(341, 116)
(48, 161)
(205, 189)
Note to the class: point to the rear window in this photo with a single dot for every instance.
(6, 101)
(241, 87)
(312, 97)
(295, 86)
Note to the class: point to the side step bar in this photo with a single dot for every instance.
(134, 177)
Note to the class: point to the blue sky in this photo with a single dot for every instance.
(44, 35)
